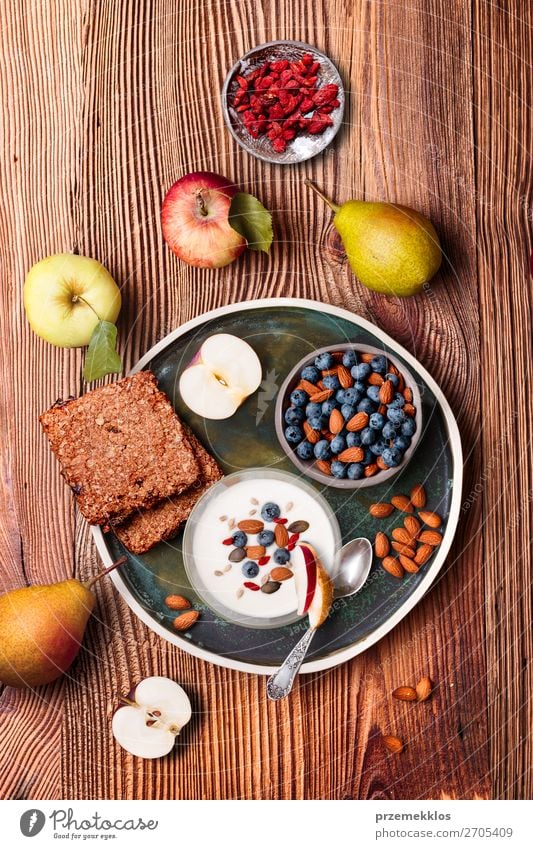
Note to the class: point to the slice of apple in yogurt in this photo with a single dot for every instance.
(224, 372)
(314, 587)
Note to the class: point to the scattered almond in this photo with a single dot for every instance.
(412, 525)
(185, 620)
(375, 379)
(404, 694)
(380, 510)
(430, 537)
(371, 470)
(408, 394)
(251, 526)
(352, 455)
(383, 466)
(255, 552)
(409, 410)
(408, 564)
(336, 421)
(281, 573)
(311, 435)
(423, 689)
(366, 358)
(423, 553)
(381, 545)
(402, 548)
(322, 395)
(403, 536)
(345, 378)
(418, 496)
(432, 520)
(307, 386)
(386, 392)
(393, 567)
(357, 422)
(393, 744)
(177, 602)
(324, 466)
(401, 502)
(281, 535)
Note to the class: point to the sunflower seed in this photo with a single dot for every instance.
(223, 518)
(252, 512)
(218, 573)
(227, 567)
(240, 592)
(289, 506)
(254, 501)
(231, 524)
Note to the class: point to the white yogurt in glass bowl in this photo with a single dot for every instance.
(209, 550)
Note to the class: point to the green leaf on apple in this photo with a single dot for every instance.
(102, 357)
(250, 219)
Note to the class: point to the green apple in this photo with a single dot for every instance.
(65, 295)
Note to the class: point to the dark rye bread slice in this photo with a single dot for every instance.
(121, 447)
(144, 529)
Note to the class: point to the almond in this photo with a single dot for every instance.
(336, 421)
(185, 620)
(177, 602)
(380, 510)
(337, 356)
(357, 422)
(423, 553)
(386, 392)
(401, 548)
(392, 566)
(433, 520)
(322, 395)
(382, 410)
(251, 526)
(408, 564)
(329, 371)
(423, 689)
(311, 435)
(371, 469)
(255, 552)
(381, 464)
(401, 502)
(324, 466)
(381, 545)
(412, 525)
(366, 358)
(418, 496)
(409, 410)
(281, 536)
(393, 744)
(393, 370)
(408, 394)
(307, 386)
(345, 378)
(430, 537)
(375, 379)
(352, 455)
(404, 694)
(403, 536)
(281, 573)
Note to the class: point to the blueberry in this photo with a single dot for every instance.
(340, 395)
(348, 412)
(378, 447)
(299, 398)
(318, 422)
(361, 371)
(250, 569)
(391, 457)
(310, 373)
(293, 434)
(376, 421)
(368, 436)
(353, 440)
(313, 409)
(408, 427)
(294, 415)
(368, 458)
(331, 381)
(393, 378)
(324, 361)
(328, 407)
(352, 396)
(389, 431)
(399, 400)
(338, 469)
(338, 444)
(281, 555)
(349, 358)
(355, 471)
(322, 450)
(360, 387)
(395, 415)
(366, 406)
(379, 364)
(402, 443)
(270, 511)
(240, 539)
(305, 450)
(373, 393)
(266, 538)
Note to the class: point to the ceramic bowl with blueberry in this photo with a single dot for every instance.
(349, 415)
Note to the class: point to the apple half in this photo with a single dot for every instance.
(224, 372)
(148, 724)
(314, 587)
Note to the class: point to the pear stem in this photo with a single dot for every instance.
(120, 562)
(333, 206)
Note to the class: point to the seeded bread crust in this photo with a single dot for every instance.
(121, 448)
(146, 528)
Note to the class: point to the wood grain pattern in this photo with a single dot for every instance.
(102, 107)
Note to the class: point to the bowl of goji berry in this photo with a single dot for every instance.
(283, 101)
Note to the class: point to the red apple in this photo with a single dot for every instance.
(195, 220)
(314, 586)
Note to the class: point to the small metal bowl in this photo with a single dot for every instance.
(308, 467)
(304, 146)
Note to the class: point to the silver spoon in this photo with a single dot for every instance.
(355, 560)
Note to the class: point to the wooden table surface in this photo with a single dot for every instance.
(103, 105)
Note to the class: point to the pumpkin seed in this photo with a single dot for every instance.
(236, 555)
(298, 527)
(270, 587)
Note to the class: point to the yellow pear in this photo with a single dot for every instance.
(41, 629)
(391, 249)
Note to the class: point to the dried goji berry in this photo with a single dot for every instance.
(307, 105)
(251, 586)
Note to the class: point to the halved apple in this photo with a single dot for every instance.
(222, 374)
(314, 587)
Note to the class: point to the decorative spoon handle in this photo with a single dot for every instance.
(280, 684)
